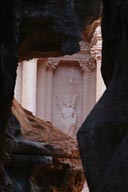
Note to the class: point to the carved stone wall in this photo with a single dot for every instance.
(61, 90)
(67, 96)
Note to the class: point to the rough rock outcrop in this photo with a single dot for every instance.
(33, 29)
(103, 138)
(36, 29)
(54, 26)
(41, 157)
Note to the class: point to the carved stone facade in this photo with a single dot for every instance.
(95, 50)
(62, 90)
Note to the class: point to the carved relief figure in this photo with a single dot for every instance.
(67, 115)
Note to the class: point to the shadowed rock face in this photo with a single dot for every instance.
(103, 139)
(54, 26)
(34, 29)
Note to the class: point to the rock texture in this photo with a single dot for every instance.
(54, 26)
(33, 29)
(36, 29)
(103, 136)
(41, 157)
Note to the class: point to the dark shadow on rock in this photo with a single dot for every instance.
(103, 137)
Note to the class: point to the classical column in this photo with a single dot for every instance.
(89, 88)
(48, 100)
(29, 85)
(100, 86)
(41, 88)
(18, 86)
(96, 47)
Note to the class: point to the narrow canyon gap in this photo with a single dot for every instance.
(32, 29)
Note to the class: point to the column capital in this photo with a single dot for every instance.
(96, 44)
(52, 64)
(88, 66)
(84, 46)
(43, 63)
(96, 53)
(32, 61)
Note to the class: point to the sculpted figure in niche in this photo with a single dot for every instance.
(67, 115)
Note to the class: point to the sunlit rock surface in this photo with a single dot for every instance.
(42, 158)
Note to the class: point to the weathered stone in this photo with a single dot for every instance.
(32, 29)
(103, 136)
(42, 157)
(53, 140)
(53, 28)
